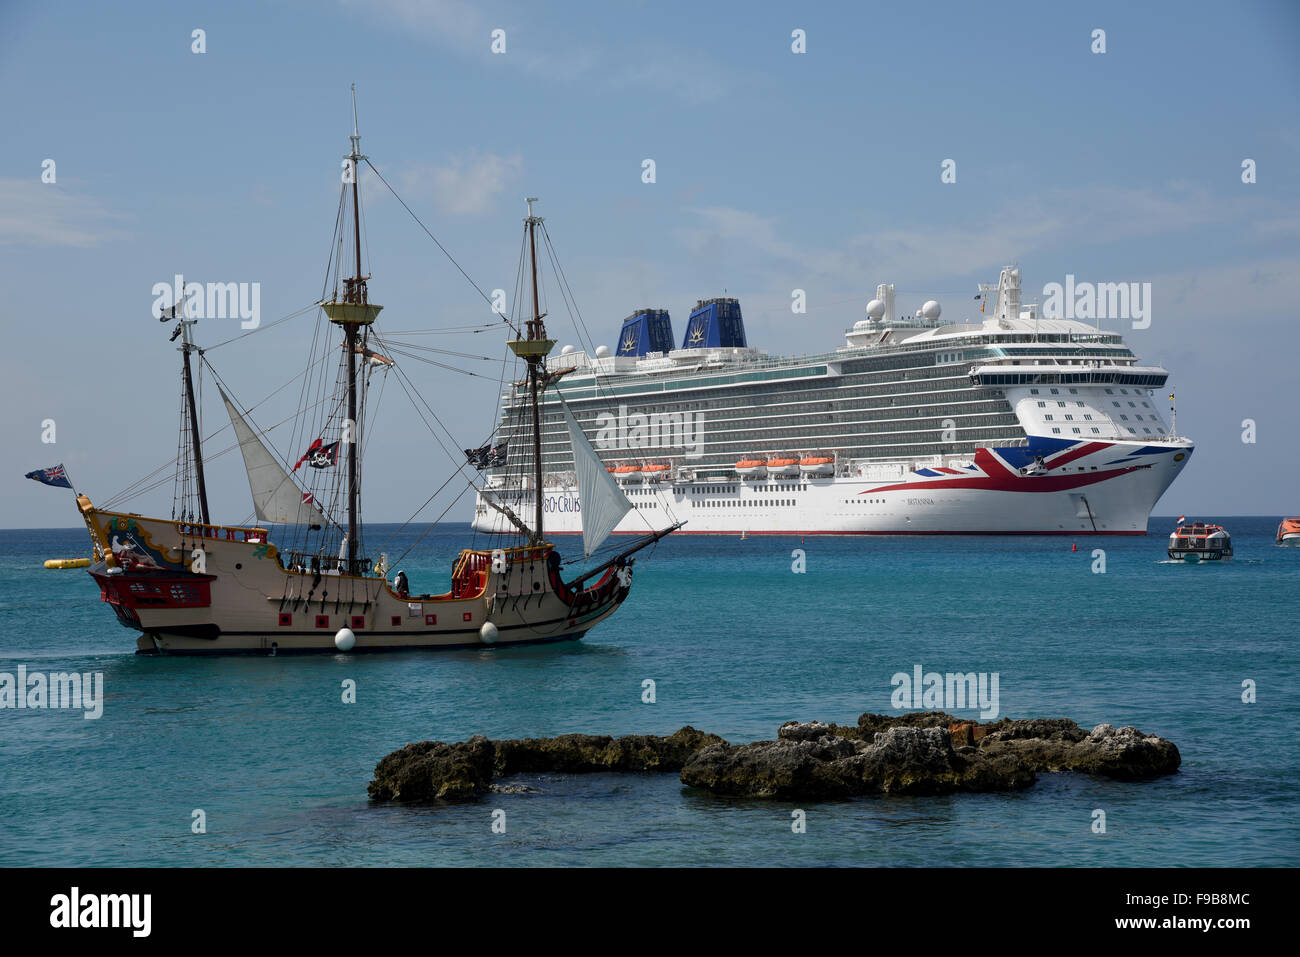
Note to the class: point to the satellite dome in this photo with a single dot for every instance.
(875, 309)
(931, 310)
(1015, 273)
(602, 352)
(567, 350)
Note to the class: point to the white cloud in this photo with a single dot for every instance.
(460, 27)
(1068, 219)
(33, 213)
(466, 184)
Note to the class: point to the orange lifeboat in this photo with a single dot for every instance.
(1288, 533)
(782, 466)
(627, 473)
(817, 465)
(655, 471)
(751, 466)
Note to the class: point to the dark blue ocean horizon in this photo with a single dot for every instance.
(736, 643)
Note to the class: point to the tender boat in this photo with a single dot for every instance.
(751, 466)
(1199, 542)
(628, 473)
(817, 465)
(782, 466)
(1288, 533)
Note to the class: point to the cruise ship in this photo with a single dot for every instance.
(1011, 423)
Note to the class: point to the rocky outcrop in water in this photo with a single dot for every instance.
(808, 762)
(439, 771)
(916, 753)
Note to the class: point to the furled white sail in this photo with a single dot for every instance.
(277, 498)
(603, 502)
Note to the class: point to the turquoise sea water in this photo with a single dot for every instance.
(736, 643)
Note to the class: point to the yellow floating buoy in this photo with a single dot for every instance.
(68, 563)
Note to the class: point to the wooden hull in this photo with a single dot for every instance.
(190, 589)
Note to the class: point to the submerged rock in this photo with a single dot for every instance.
(927, 752)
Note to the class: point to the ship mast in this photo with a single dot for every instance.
(352, 313)
(186, 347)
(534, 350)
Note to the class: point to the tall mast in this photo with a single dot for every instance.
(352, 313)
(534, 350)
(186, 347)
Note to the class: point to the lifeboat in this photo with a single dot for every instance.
(627, 473)
(655, 471)
(1199, 542)
(782, 466)
(751, 466)
(1288, 533)
(817, 465)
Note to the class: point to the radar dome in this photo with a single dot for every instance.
(567, 351)
(602, 352)
(875, 309)
(931, 310)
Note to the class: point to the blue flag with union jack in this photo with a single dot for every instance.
(55, 475)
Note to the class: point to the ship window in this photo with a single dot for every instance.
(1076, 431)
(1056, 431)
(1096, 431)
(1115, 404)
(1074, 392)
(1088, 417)
(1033, 392)
(1132, 406)
(1069, 418)
(1079, 404)
(1124, 417)
(1048, 417)
(1056, 391)
(1042, 404)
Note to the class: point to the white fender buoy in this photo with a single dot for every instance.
(344, 639)
(488, 632)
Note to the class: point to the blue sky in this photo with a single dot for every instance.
(775, 171)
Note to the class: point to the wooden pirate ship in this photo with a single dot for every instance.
(188, 585)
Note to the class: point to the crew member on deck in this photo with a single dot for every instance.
(401, 585)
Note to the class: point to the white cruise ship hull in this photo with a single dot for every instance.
(1104, 488)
